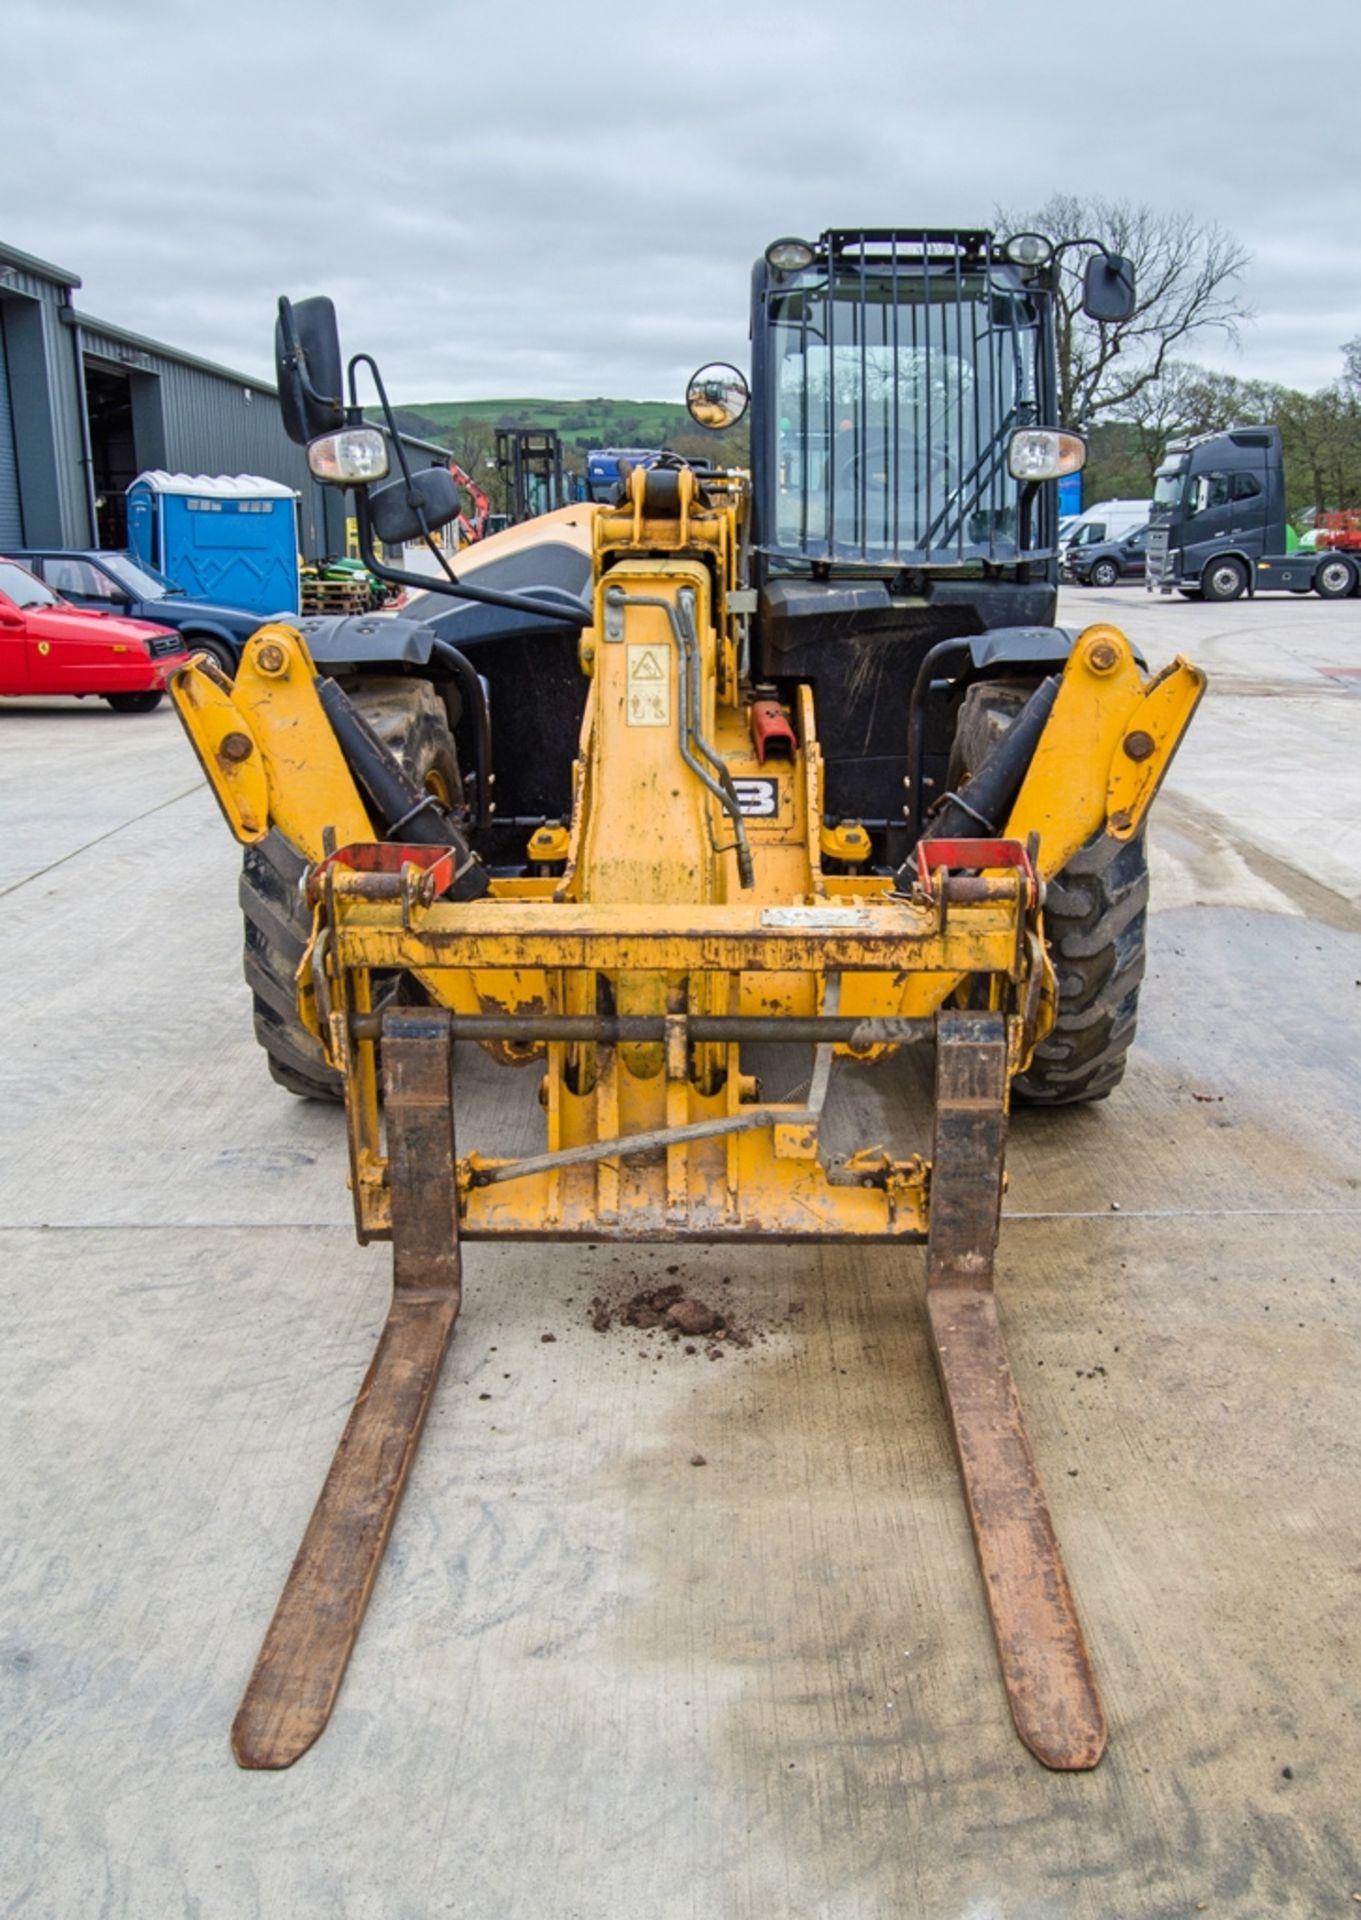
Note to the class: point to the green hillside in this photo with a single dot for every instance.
(468, 429)
(580, 423)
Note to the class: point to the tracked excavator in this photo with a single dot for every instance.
(794, 758)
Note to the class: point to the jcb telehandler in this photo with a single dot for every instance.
(799, 758)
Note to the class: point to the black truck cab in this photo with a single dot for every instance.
(1218, 526)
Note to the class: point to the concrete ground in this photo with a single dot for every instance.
(597, 1681)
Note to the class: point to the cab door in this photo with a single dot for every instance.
(1210, 521)
(1248, 499)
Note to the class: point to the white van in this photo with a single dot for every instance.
(1107, 520)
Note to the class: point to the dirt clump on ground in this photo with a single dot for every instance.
(681, 1317)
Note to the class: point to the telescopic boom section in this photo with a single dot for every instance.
(682, 914)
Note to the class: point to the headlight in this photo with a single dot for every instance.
(351, 458)
(789, 256)
(1028, 250)
(1044, 453)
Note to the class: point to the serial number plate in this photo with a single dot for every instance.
(832, 919)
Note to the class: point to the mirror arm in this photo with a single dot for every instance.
(567, 612)
(1030, 494)
(1086, 240)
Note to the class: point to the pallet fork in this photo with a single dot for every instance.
(1045, 1665)
(316, 1623)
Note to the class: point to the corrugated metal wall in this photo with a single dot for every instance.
(210, 423)
(11, 519)
(45, 408)
(188, 415)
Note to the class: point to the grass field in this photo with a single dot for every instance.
(581, 423)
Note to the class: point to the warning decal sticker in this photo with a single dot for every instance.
(649, 686)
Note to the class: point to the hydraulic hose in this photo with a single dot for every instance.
(979, 810)
(983, 803)
(401, 809)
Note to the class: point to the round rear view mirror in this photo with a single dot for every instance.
(717, 396)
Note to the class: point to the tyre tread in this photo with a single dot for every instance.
(1096, 922)
(410, 718)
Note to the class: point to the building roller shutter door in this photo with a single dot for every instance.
(11, 520)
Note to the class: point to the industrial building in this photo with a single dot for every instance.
(85, 406)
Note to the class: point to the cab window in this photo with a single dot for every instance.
(1246, 486)
(1210, 490)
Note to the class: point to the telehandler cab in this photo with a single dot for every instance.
(798, 758)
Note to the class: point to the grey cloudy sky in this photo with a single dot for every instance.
(551, 197)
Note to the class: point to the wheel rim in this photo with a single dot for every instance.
(1225, 580)
(1335, 577)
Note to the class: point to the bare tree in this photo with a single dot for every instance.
(1187, 274)
(1186, 400)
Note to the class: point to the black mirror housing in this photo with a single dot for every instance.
(309, 369)
(393, 517)
(1108, 288)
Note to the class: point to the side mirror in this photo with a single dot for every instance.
(1108, 288)
(717, 397)
(309, 369)
(396, 520)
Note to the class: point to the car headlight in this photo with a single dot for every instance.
(1044, 453)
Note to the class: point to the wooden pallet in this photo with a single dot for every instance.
(335, 596)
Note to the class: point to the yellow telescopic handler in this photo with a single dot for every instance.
(791, 758)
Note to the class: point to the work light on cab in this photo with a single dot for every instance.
(1043, 453)
(1028, 250)
(351, 458)
(789, 256)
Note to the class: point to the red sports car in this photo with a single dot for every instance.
(48, 646)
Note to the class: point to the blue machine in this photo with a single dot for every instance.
(602, 468)
(232, 539)
(1070, 495)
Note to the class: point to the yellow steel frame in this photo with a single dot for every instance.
(648, 914)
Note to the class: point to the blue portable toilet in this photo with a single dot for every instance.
(1070, 495)
(232, 538)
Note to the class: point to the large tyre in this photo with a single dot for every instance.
(1334, 578)
(1224, 579)
(409, 717)
(1095, 923)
